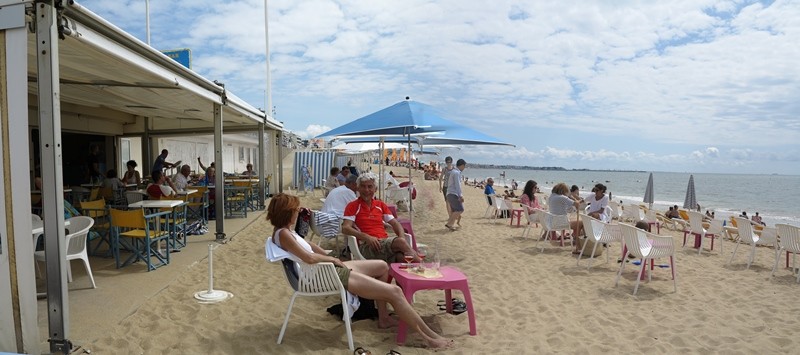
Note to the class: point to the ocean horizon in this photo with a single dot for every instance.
(725, 194)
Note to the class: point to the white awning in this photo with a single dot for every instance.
(105, 71)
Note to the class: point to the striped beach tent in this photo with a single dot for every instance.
(319, 162)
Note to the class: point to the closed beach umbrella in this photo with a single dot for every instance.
(648, 192)
(690, 202)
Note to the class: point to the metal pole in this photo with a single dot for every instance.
(266, 46)
(219, 181)
(210, 268)
(261, 170)
(280, 161)
(147, 19)
(52, 179)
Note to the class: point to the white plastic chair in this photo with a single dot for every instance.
(652, 220)
(646, 247)
(133, 196)
(595, 229)
(75, 245)
(489, 206)
(533, 219)
(696, 228)
(789, 242)
(355, 253)
(747, 235)
(314, 228)
(315, 280)
(36, 221)
(632, 213)
(552, 223)
(500, 205)
(616, 210)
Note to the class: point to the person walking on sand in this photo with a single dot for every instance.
(365, 278)
(443, 182)
(454, 195)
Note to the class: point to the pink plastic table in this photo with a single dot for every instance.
(452, 279)
(516, 212)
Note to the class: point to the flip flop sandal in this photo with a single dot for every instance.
(455, 301)
(392, 352)
(361, 351)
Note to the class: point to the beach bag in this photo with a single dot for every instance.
(366, 310)
(589, 246)
(303, 222)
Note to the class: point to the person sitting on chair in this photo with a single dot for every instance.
(757, 220)
(528, 197)
(249, 173)
(598, 203)
(489, 191)
(365, 278)
(368, 214)
(161, 186)
(339, 197)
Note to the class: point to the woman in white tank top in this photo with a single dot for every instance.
(367, 278)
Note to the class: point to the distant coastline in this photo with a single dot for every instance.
(549, 168)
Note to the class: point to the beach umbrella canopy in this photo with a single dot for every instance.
(401, 119)
(648, 192)
(365, 146)
(690, 202)
(447, 134)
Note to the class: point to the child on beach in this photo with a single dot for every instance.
(367, 278)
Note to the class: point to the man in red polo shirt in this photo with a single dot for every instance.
(368, 215)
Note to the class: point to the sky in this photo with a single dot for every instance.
(685, 86)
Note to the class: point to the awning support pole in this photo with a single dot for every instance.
(261, 163)
(219, 181)
(52, 179)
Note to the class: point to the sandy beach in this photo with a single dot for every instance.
(525, 301)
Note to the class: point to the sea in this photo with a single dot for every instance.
(774, 197)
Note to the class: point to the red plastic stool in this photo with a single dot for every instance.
(516, 212)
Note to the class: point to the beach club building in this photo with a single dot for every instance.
(70, 80)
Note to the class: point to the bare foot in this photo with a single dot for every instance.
(387, 322)
(441, 343)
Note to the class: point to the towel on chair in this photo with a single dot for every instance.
(328, 224)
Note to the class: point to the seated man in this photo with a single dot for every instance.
(158, 188)
(368, 214)
(329, 218)
(757, 220)
(339, 197)
(182, 179)
(343, 175)
(489, 191)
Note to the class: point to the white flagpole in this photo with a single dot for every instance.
(147, 19)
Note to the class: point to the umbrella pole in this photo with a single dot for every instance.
(410, 184)
(380, 172)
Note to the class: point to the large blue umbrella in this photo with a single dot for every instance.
(405, 118)
(450, 134)
(401, 119)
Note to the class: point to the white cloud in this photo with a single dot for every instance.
(693, 73)
(313, 130)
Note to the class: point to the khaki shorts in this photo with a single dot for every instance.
(385, 253)
(344, 275)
